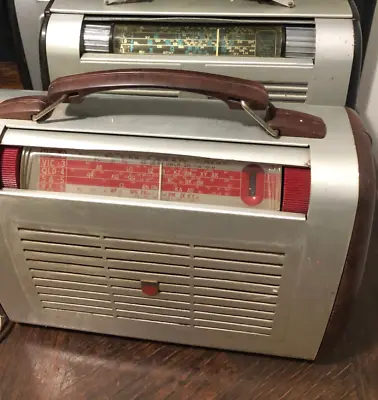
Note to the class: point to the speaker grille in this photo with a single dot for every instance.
(200, 287)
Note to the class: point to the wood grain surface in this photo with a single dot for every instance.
(47, 364)
(9, 76)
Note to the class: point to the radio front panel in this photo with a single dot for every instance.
(295, 59)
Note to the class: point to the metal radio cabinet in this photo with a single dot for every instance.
(180, 220)
(309, 53)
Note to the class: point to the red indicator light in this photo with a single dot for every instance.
(150, 288)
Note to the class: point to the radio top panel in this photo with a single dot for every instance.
(213, 8)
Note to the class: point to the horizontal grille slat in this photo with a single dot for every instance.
(55, 248)
(60, 238)
(152, 309)
(213, 288)
(234, 294)
(154, 322)
(136, 275)
(232, 327)
(65, 276)
(233, 285)
(234, 311)
(152, 247)
(76, 313)
(76, 307)
(229, 331)
(239, 255)
(239, 304)
(75, 300)
(232, 319)
(61, 267)
(237, 266)
(153, 317)
(86, 294)
(147, 257)
(136, 293)
(70, 285)
(63, 258)
(237, 276)
(144, 266)
(184, 305)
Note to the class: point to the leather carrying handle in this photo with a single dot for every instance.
(237, 93)
(229, 89)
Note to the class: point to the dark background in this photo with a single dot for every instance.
(366, 9)
(7, 53)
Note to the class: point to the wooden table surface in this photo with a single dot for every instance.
(48, 364)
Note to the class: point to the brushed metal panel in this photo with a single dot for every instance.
(333, 62)
(214, 8)
(262, 70)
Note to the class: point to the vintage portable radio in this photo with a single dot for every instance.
(306, 53)
(181, 220)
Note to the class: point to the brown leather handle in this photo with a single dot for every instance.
(237, 93)
(229, 89)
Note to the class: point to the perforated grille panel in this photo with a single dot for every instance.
(199, 287)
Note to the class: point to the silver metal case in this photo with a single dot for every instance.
(242, 279)
(321, 75)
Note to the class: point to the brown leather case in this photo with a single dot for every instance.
(359, 243)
